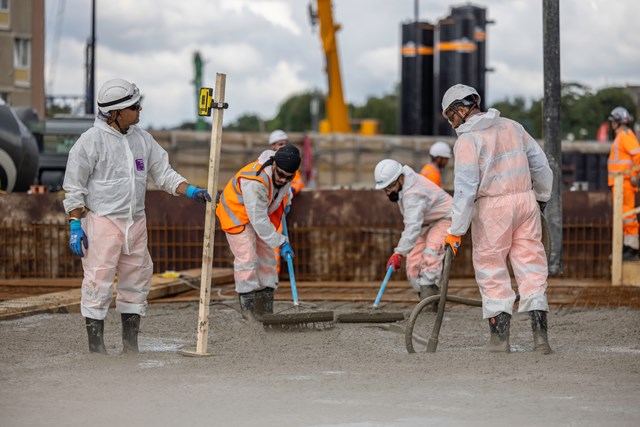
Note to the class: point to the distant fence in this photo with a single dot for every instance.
(352, 253)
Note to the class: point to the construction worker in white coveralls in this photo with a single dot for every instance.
(426, 213)
(502, 181)
(106, 179)
(250, 211)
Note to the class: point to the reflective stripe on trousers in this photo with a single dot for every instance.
(424, 262)
(254, 265)
(105, 258)
(509, 226)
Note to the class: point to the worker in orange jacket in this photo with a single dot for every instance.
(250, 210)
(625, 153)
(440, 153)
(277, 140)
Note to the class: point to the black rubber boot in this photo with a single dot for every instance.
(499, 326)
(629, 254)
(130, 328)
(247, 301)
(428, 291)
(95, 330)
(264, 301)
(539, 328)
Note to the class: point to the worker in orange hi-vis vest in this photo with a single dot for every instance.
(250, 210)
(277, 140)
(625, 153)
(440, 153)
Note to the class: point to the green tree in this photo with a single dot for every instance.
(247, 123)
(383, 109)
(294, 114)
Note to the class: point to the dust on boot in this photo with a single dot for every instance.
(539, 328)
(427, 291)
(130, 328)
(264, 301)
(499, 326)
(247, 301)
(95, 330)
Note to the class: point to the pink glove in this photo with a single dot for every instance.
(395, 261)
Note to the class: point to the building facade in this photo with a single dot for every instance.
(22, 53)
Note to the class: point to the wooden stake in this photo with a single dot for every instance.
(616, 249)
(209, 224)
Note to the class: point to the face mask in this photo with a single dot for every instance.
(394, 197)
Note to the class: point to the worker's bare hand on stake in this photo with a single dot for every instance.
(543, 206)
(395, 261)
(286, 250)
(454, 242)
(198, 194)
(77, 238)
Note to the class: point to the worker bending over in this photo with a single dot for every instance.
(106, 176)
(440, 153)
(625, 154)
(250, 210)
(502, 181)
(426, 212)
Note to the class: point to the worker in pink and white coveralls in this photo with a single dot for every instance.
(426, 212)
(106, 176)
(502, 181)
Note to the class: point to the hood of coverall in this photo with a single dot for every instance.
(479, 121)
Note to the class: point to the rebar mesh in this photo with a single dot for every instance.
(355, 253)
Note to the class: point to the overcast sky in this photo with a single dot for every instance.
(269, 51)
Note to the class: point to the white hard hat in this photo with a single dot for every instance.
(386, 172)
(277, 135)
(117, 94)
(458, 93)
(440, 149)
(620, 115)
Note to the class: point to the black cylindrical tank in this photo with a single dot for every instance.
(18, 153)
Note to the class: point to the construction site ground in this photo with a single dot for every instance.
(322, 375)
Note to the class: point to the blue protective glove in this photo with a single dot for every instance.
(286, 250)
(77, 238)
(198, 194)
(287, 209)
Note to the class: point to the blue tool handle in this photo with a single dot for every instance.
(292, 276)
(383, 286)
(292, 280)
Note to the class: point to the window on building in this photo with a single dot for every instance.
(5, 16)
(22, 61)
(22, 53)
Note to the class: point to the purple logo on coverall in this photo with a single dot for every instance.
(140, 164)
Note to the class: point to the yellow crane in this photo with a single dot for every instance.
(337, 120)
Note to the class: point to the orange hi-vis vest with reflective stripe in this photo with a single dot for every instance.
(432, 173)
(230, 208)
(624, 154)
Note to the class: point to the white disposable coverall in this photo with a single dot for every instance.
(254, 264)
(426, 212)
(500, 173)
(107, 173)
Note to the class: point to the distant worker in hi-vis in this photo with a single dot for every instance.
(440, 153)
(105, 184)
(502, 181)
(625, 154)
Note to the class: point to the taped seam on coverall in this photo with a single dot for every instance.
(500, 173)
(113, 187)
(426, 213)
(624, 154)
